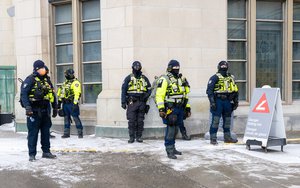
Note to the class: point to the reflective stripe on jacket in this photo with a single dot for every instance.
(172, 90)
(70, 90)
(137, 85)
(225, 84)
(41, 90)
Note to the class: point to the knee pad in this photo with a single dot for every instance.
(171, 133)
(215, 121)
(227, 120)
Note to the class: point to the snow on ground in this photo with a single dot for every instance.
(196, 153)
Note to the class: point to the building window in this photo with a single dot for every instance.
(259, 45)
(237, 43)
(269, 44)
(296, 51)
(91, 50)
(63, 40)
(78, 44)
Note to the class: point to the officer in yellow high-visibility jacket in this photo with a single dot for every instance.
(222, 93)
(69, 94)
(172, 101)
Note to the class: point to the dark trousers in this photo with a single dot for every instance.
(69, 112)
(171, 131)
(136, 115)
(224, 110)
(39, 121)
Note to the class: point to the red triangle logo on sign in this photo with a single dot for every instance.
(262, 105)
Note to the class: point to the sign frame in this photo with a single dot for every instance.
(265, 124)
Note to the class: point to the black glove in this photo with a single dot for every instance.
(29, 111)
(59, 105)
(187, 112)
(213, 106)
(75, 108)
(147, 108)
(61, 113)
(124, 106)
(162, 113)
(235, 105)
(54, 112)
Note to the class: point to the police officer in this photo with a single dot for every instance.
(36, 93)
(68, 95)
(172, 102)
(136, 90)
(222, 93)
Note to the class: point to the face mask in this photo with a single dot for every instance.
(69, 77)
(42, 71)
(175, 72)
(223, 72)
(137, 73)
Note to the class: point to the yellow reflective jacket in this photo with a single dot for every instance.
(225, 84)
(171, 90)
(41, 90)
(137, 85)
(70, 90)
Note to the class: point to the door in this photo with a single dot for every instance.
(7, 88)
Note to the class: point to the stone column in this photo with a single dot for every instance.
(154, 32)
(31, 41)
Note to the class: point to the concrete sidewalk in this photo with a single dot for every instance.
(106, 162)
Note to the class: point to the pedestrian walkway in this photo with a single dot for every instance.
(201, 165)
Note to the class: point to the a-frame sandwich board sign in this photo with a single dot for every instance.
(265, 124)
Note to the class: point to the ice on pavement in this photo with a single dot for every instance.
(14, 153)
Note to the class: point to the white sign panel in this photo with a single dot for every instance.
(265, 118)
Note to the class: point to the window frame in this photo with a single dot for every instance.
(77, 42)
(287, 46)
(245, 61)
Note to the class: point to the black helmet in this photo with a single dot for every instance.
(69, 74)
(173, 64)
(137, 66)
(223, 65)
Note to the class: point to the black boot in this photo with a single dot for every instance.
(139, 139)
(80, 133)
(213, 141)
(48, 155)
(131, 140)
(230, 140)
(176, 152)
(185, 136)
(32, 158)
(170, 152)
(66, 133)
(171, 155)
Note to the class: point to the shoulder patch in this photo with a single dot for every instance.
(25, 85)
(209, 82)
(77, 85)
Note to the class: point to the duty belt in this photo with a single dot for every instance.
(222, 96)
(134, 98)
(67, 100)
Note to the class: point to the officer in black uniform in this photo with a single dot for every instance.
(223, 95)
(136, 90)
(36, 94)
